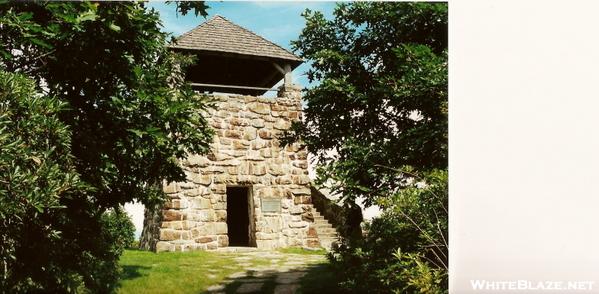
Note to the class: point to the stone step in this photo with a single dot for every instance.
(322, 224)
(315, 212)
(328, 236)
(326, 231)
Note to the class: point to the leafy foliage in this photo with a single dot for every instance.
(199, 7)
(377, 123)
(104, 123)
(36, 174)
(131, 114)
(406, 248)
(382, 97)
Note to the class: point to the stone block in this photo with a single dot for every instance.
(257, 169)
(301, 191)
(173, 215)
(220, 228)
(254, 155)
(224, 179)
(224, 141)
(200, 203)
(282, 124)
(232, 170)
(233, 134)
(186, 185)
(300, 180)
(203, 230)
(260, 144)
(312, 243)
(215, 169)
(219, 205)
(257, 123)
(284, 180)
(223, 240)
(301, 164)
(219, 188)
(171, 188)
(205, 215)
(264, 134)
(235, 121)
(240, 145)
(249, 133)
(295, 210)
(308, 216)
(192, 192)
(205, 239)
(170, 235)
(175, 225)
(201, 179)
(162, 246)
(188, 225)
(176, 203)
(265, 192)
(211, 246)
(302, 200)
(277, 107)
(249, 99)
(221, 215)
(299, 224)
(196, 160)
(312, 233)
(247, 179)
(259, 108)
(265, 236)
(275, 169)
(302, 155)
(293, 115)
(222, 113)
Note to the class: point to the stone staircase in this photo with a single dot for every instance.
(327, 234)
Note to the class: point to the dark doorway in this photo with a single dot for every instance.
(238, 219)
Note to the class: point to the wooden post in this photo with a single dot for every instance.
(288, 77)
(286, 71)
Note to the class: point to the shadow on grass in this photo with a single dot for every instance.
(315, 278)
(131, 272)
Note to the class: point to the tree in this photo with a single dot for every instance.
(377, 124)
(381, 101)
(130, 118)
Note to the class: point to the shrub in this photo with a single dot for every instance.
(43, 208)
(36, 175)
(405, 249)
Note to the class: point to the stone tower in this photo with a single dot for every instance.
(250, 190)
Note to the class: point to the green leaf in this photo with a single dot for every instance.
(42, 43)
(114, 27)
(87, 16)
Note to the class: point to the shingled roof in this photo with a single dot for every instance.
(221, 35)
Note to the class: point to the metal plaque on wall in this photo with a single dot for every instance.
(271, 205)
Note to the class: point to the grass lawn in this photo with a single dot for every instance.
(193, 272)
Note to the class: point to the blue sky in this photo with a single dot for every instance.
(279, 22)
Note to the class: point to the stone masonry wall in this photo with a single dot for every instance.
(245, 152)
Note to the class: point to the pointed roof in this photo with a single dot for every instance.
(221, 35)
